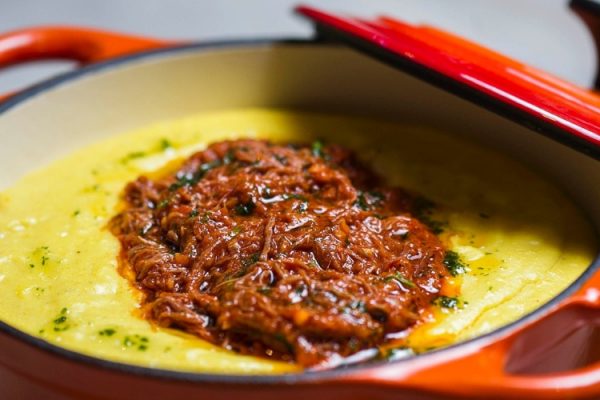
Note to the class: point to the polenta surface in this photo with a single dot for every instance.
(522, 240)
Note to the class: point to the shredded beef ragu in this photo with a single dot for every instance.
(292, 252)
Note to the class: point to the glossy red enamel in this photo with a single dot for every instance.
(573, 109)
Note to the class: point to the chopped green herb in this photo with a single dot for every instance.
(76, 213)
(396, 353)
(236, 230)
(377, 196)
(183, 180)
(137, 341)
(190, 179)
(454, 264)
(162, 204)
(295, 196)
(93, 188)
(448, 302)
(361, 202)
(133, 155)
(300, 288)
(422, 209)
(302, 207)
(194, 213)
(246, 264)
(264, 290)
(229, 157)
(204, 168)
(165, 144)
(317, 148)
(107, 332)
(281, 159)
(245, 209)
(206, 217)
(60, 322)
(43, 252)
(400, 278)
(368, 200)
(253, 259)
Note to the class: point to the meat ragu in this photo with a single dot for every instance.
(294, 252)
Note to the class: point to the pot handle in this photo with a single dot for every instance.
(68, 43)
(516, 365)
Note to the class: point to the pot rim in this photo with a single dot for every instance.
(304, 376)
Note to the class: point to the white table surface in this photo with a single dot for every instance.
(543, 33)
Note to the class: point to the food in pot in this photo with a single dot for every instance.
(518, 240)
(287, 251)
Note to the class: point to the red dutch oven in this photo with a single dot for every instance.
(412, 73)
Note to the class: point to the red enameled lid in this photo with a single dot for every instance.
(548, 104)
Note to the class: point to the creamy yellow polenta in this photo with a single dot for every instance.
(522, 240)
